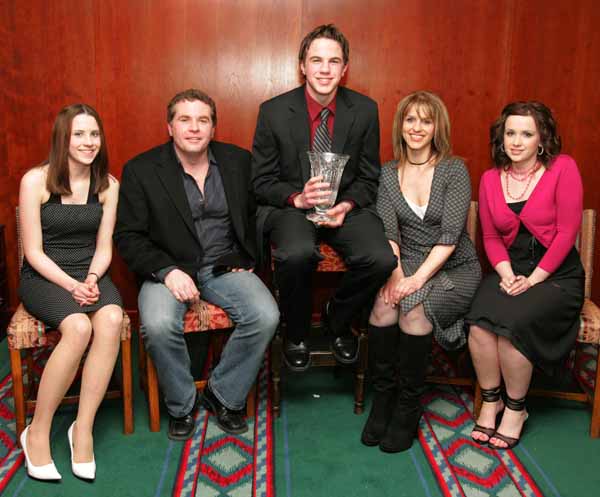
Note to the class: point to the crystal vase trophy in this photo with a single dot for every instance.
(331, 167)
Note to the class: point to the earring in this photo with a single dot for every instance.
(502, 147)
(540, 149)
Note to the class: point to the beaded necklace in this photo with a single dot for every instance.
(520, 177)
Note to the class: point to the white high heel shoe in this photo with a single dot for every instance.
(85, 470)
(45, 472)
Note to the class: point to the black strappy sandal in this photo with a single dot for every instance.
(488, 395)
(511, 442)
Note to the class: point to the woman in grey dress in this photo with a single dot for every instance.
(423, 200)
(67, 208)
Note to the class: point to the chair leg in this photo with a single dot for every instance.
(595, 422)
(361, 368)
(16, 369)
(142, 361)
(477, 400)
(276, 353)
(127, 386)
(152, 386)
(251, 402)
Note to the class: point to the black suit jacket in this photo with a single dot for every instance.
(280, 165)
(154, 226)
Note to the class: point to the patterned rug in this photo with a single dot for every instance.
(10, 453)
(216, 464)
(462, 467)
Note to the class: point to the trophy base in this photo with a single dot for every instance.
(318, 217)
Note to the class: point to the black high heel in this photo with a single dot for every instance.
(488, 395)
(511, 442)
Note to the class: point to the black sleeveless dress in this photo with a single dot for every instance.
(69, 234)
(543, 322)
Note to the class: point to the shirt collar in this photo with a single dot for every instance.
(212, 160)
(315, 108)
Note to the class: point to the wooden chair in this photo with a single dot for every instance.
(27, 335)
(450, 375)
(332, 263)
(589, 334)
(200, 318)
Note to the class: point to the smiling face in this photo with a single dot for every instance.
(418, 129)
(521, 140)
(85, 141)
(192, 127)
(323, 67)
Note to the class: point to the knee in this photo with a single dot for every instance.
(415, 321)
(157, 327)
(380, 263)
(480, 337)
(77, 329)
(112, 320)
(383, 314)
(298, 257)
(267, 320)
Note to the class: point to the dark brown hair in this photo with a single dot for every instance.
(57, 180)
(330, 32)
(546, 126)
(429, 105)
(191, 95)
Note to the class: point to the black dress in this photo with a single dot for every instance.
(543, 322)
(69, 233)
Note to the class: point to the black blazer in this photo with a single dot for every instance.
(280, 165)
(154, 223)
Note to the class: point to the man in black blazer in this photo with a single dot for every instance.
(186, 228)
(288, 126)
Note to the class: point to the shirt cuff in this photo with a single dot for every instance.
(290, 199)
(161, 274)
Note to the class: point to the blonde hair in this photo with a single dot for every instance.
(428, 105)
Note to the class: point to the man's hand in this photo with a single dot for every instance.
(182, 286)
(338, 213)
(315, 192)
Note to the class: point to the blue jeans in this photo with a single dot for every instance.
(250, 306)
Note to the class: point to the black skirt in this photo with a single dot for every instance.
(543, 322)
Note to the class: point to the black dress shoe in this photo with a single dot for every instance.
(343, 345)
(296, 356)
(345, 349)
(228, 420)
(184, 427)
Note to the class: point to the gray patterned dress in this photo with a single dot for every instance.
(447, 296)
(69, 234)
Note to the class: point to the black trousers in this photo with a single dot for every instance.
(360, 241)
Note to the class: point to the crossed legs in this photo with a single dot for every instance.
(59, 372)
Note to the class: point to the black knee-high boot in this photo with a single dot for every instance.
(412, 366)
(382, 357)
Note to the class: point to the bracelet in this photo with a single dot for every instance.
(96, 275)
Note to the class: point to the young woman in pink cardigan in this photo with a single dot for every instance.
(526, 313)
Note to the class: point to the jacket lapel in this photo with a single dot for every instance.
(169, 174)
(231, 185)
(300, 130)
(344, 119)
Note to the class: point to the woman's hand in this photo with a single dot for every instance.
(520, 285)
(389, 287)
(405, 287)
(83, 294)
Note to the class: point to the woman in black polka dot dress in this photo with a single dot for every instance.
(67, 210)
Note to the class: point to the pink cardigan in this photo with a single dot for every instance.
(552, 213)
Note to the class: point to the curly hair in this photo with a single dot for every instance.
(545, 123)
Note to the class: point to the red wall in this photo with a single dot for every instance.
(127, 58)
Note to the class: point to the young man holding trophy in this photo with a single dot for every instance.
(298, 154)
